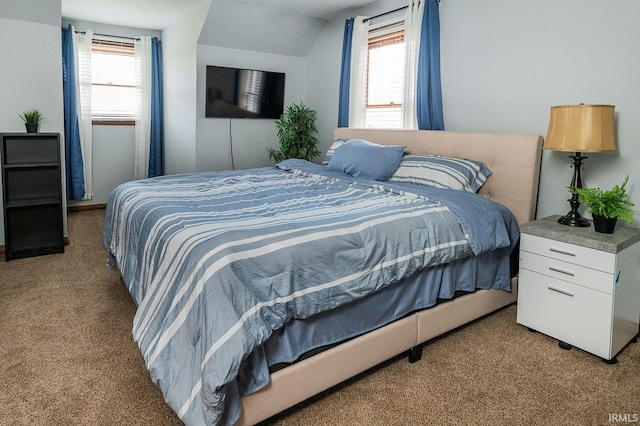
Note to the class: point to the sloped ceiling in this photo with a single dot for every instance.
(287, 27)
(159, 14)
(146, 14)
(325, 9)
(238, 25)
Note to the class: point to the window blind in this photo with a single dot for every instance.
(113, 91)
(385, 77)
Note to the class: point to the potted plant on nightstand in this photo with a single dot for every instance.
(606, 207)
(32, 119)
(295, 131)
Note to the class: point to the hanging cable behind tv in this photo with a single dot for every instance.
(233, 167)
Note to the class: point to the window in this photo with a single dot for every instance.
(388, 85)
(113, 90)
(385, 77)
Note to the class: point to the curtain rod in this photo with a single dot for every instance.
(117, 36)
(109, 35)
(387, 13)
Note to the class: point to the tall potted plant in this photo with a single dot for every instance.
(296, 128)
(606, 207)
(32, 119)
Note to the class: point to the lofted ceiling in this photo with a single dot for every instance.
(159, 14)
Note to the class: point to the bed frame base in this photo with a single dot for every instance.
(320, 372)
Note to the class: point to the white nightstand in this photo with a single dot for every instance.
(580, 286)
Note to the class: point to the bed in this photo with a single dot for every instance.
(296, 253)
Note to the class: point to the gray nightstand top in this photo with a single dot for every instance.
(548, 227)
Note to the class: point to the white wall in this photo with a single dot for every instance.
(179, 50)
(323, 80)
(505, 62)
(31, 74)
(113, 161)
(31, 57)
(248, 138)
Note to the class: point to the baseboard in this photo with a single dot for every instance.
(72, 209)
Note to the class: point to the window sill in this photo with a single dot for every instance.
(113, 122)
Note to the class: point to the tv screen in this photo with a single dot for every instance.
(244, 93)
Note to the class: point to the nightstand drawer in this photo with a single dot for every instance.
(568, 312)
(571, 253)
(566, 271)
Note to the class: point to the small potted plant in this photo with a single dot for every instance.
(295, 131)
(606, 207)
(32, 119)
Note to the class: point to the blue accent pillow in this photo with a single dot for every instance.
(365, 159)
(442, 172)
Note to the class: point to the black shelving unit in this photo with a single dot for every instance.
(32, 194)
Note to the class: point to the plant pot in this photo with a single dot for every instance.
(604, 225)
(31, 128)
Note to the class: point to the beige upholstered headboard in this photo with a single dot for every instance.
(514, 159)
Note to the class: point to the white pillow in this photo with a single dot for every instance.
(331, 150)
(442, 172)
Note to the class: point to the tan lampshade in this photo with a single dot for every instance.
(581, 128)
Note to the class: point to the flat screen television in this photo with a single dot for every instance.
(244, 93)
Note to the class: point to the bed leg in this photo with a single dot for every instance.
(415, 354)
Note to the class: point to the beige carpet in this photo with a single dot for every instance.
(67, 358)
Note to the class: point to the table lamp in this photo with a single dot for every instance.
(580, 128)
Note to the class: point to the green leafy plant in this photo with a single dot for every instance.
(610, 204)
(32, 116)
(295, 131)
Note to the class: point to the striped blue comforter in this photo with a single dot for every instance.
(217, 261)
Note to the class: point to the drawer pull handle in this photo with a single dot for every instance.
(557, 250)
(560, 291)
(562, 271)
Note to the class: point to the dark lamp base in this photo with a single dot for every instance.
(573, 218)
(574, 221)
